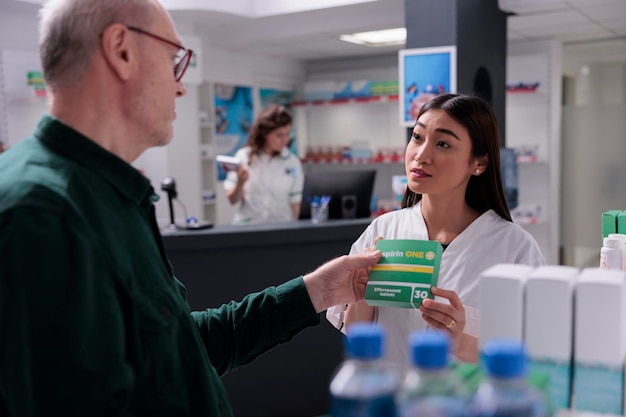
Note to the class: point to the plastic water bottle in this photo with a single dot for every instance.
(431, 388)
(505, 392)
(364, 385)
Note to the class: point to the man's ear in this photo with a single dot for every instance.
(117, 51)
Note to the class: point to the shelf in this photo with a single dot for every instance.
(522, 87)
(339, 101)
(18, 100)
(208, 197)
(530, 161)
(524, 92)
(354, 163)
(527, 220)
(528, 213)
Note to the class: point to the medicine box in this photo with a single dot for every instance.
(549, 327)
(609, 222)
(599, 341)
(621, 222)
(405, 273)
(501, 301)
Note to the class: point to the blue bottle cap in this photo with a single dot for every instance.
(364, 341)
(429, 349)
(505, 358)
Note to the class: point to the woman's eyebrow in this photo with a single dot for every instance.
(442, 130)
(449, 132)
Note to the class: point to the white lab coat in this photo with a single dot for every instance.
(488, 240)
(274, 184)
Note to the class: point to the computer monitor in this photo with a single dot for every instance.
(350, 192)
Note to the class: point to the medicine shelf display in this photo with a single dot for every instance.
(339, 101)
(528, 130)
(22, 95)
(522, 87)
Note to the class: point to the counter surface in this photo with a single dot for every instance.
(277, 233)
(226, 263)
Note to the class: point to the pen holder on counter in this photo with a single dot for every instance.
(319, 209)
(319, 213)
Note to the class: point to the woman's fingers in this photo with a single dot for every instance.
(451, 296)
(373, 248)
(441, 314)
(444, 315)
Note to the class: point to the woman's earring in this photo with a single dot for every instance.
(478, 171)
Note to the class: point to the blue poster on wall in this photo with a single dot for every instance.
(233, 118)
(424, 73)
(284, 97)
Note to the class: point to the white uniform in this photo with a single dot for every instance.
(488, 240)
(274, 184)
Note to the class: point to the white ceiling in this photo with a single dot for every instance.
(306, 35)
(314, 34)
(571, 21)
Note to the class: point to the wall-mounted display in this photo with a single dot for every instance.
(424, 73)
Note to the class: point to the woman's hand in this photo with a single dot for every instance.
(242, 174)
(235, 194)
(451, 318)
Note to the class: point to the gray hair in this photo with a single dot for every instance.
(70, 30)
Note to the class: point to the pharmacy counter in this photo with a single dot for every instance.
(227, 262)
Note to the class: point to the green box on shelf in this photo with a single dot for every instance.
(621, 222)
(405, 273)
(383, 88)
(609, 222)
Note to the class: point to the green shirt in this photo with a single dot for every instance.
(92, 320)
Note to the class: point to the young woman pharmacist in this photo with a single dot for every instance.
(455, 196)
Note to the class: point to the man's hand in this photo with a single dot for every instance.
(340, 281)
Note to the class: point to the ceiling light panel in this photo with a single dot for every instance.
(395, 36)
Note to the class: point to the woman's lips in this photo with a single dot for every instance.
(420, 173)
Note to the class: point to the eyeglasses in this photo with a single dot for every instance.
(182, 60)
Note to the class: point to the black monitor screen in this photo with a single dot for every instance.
(350, 192)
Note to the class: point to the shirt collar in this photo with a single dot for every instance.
(284, 153)
(84, 151)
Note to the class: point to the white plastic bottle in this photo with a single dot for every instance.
(431, 388)
(622, 238)
(611, 253)
(364, 385)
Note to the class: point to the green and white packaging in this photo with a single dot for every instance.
(404, 274)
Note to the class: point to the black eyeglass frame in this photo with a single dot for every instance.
(181, 66)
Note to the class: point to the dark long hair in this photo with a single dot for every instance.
(271, 118)
(485, 191)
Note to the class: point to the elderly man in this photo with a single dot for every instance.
(92, 320)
